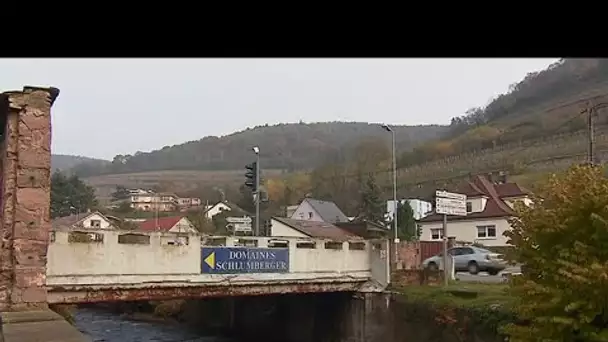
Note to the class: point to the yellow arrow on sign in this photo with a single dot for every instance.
(210, 260)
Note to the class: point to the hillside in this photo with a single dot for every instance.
(65, 162)
(534, 129)
(284, 146)
(543, 104)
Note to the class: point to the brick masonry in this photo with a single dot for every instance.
(25, 182)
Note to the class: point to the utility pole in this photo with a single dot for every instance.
(257, 192)
(590, 128)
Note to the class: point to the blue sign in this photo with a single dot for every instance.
(226, 260)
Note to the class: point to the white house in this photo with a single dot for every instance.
(319, 211)
(419, 207)
(489, 206)
(172, 224)
(94, 220)
(217, 208)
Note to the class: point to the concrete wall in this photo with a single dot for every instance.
(25, 224)
(105, 262)
(466, 230)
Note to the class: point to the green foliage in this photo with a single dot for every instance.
(407, 229)
(562, 241)
(202, 223)
(284, 146)
(70, 195)
(124, 207)
(372, 207)
(120, 193)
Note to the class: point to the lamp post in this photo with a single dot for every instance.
(396, 241)
(256, 150)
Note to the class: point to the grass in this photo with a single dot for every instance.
(487, 295)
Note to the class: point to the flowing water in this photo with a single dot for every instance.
(105, 326)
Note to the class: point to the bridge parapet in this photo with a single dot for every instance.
(93, 260)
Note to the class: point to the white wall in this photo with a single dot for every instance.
(107, 262)
(220, 207)
(306, 212)
(466, 230)
(419, 207)
(86, 223)
(478, 204)
(280, 229)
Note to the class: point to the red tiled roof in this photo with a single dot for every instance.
(319, 229)
(164, 224)
(495, 206)
(511, 190)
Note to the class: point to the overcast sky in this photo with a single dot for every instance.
(118, 106)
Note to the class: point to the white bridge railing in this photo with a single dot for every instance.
(92, 258)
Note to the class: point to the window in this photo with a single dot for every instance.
(310, 214)
(486, 231)
(469, 207)
(95, 223)
(436, 234)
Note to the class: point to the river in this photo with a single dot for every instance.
(105, 326)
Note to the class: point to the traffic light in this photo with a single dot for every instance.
(251, 176)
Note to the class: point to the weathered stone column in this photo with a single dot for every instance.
(25, 215)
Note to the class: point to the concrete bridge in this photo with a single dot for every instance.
(39, 266)
(109, 265)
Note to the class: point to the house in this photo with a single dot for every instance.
(419, 207)
(284, 227)
(94, 220)
(154, 202)
(320, 211)
(187, 202)
(489, 206)
(172, 224)
(365, 228)
(222, 206)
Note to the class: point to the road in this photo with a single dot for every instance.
(483, 277)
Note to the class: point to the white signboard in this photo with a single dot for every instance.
(448, 203)
(241, 227)
(244, 219)
(452, 195)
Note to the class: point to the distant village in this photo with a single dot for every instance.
(489, 205)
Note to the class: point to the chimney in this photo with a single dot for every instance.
(502, 177)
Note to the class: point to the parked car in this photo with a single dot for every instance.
(469, 259)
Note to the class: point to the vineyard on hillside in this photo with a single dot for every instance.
(542, 155)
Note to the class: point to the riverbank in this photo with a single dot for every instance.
(460, 312)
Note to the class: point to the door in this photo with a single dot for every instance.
(459, 258)
(465, 255)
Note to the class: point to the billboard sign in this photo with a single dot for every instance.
(236, 260)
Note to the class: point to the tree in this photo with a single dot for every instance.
(372, 207)
(120, 193)
(70, 195)
(124, 207)
(407, 229)
(562, 241)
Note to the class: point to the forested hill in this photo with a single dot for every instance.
(65, 162)
(543, 104)
(283, 146)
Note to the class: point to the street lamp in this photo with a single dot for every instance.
(396, 241)
(256, 150)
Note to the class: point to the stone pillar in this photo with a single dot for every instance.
(25, 223)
